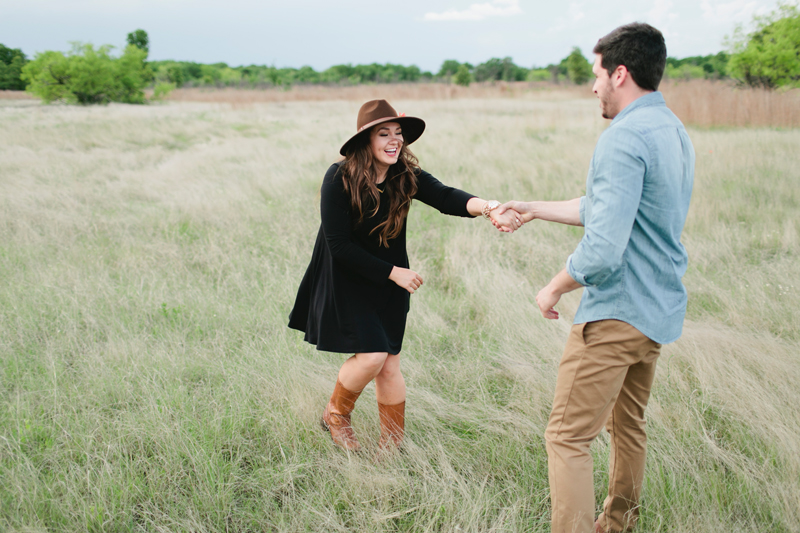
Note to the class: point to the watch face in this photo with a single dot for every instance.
(489, 207)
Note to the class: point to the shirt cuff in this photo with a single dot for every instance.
(577, 276)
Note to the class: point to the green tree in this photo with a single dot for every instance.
(92, 74)
(712, 66)
(338, 73)
(133, 74)
(579, 70)
(462, 76)
(308, 75)
(538, 74)
(11, 62)
(770, 56)
(173, 74)
(684, 71)
(48, 76)
(212, 74)
(140, 40)
(89, 75)
(497, 69)
(449, 68)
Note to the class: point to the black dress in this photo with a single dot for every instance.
(346, 302)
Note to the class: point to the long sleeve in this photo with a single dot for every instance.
(337, 226)
(619, 165)
(447, 200)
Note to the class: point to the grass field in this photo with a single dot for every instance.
(148, 261)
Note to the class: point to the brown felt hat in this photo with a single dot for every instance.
(376, 112)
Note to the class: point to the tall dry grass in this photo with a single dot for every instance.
(362, 93)
(716, 103)
(697, 102)
(16, 95)
(149, 257)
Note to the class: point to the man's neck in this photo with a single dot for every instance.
(627, 97)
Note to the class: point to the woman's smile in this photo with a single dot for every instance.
(386, 141)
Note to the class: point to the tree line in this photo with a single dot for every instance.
(767, 57)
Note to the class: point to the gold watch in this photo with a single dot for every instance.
(488, 207)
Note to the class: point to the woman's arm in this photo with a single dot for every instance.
(452, 201)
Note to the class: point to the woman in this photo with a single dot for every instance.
(355, 294)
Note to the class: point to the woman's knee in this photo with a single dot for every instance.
(372, 362)
(390, 369)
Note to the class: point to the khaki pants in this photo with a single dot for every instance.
(604, 378)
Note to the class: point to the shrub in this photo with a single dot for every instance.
(539, 74)
(462, 76)
(687, 71)
(88, 75)
(162, 90)
(48, 77)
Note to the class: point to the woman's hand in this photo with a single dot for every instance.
(405, 278)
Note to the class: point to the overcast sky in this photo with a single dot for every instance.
(321, 33)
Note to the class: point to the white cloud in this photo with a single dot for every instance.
(660, 12)
(495, 8)
(727, 13)
(576, 11)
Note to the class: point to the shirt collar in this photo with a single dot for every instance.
(650, 99)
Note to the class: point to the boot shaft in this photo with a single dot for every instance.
(393, 420)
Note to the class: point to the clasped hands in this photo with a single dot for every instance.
(510, 216)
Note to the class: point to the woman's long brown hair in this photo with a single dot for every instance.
(359, 173)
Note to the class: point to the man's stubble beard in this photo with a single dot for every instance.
(607, 104)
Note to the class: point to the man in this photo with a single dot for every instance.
(631, 261)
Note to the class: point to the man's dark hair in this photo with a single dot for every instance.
(638, 46)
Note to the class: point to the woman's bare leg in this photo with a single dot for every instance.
(390, 386)
(354, 375)
(362, 368)
(390, 390)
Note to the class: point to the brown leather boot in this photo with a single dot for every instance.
(336, 418)
(393, 421)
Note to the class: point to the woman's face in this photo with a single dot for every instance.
(385, 141)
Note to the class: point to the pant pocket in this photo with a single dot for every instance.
(589, 332)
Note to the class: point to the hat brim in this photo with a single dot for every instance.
(412, 130)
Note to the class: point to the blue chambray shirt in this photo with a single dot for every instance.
(630, 258)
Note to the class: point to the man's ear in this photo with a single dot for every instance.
(620, 75)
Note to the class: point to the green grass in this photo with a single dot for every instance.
(149, 257)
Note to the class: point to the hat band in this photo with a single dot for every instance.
(374, 122)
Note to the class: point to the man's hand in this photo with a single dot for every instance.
(547, 300)
(405, 278)
(508, 221)
(523, 209)
(548, 297)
